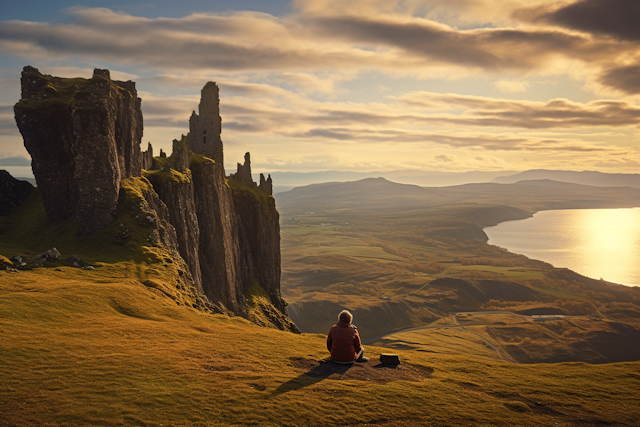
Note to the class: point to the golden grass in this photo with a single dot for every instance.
(506, 272)
(80, 348)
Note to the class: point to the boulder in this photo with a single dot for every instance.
(75, 261)
(47, 256)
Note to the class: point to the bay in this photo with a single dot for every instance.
(597, 243)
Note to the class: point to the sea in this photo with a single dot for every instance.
(597, 243)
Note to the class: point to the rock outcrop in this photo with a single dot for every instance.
(224, 276)
(176, 191)
(223, 231)
(84, 139)
(259, 232)
(12, 192)
(266, 185)
(205, 127)
(147, 158)
(243, 172)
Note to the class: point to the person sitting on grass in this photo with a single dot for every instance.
(343, 341)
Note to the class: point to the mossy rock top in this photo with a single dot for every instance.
(53, 93)
(166, 175)
(252, 192)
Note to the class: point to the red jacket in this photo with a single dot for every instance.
(343, 342)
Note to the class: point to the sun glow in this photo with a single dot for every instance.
(599, 243)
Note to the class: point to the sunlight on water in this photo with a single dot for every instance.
(593, 242)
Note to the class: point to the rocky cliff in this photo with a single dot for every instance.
(84, 138)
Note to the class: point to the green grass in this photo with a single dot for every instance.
(167, 175)
(27, 231)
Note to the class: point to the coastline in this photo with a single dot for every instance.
(534, 249)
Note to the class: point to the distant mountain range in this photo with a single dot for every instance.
(379, 194)
(285, 181)
(594, 178)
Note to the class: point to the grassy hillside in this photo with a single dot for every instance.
(80, 349)
(130, 343)
(413, 268)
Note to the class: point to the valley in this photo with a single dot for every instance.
(398, 267)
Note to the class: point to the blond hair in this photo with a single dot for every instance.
(345, 316)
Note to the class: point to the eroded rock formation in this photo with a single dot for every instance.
(266, 185)
(243, 173)
(147, 157)
(84, 139)
(205, 127)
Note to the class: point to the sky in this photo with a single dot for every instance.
(363, 85)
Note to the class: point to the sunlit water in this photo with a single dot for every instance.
(597, 243)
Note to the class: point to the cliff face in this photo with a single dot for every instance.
(222, 275)
(259, 224)
(84, 139)
(175, 189)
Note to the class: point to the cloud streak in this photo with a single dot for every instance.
(615, 18)
(310, 40)
(287, 81)
(413, 117)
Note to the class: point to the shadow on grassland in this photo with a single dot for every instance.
(315, 371)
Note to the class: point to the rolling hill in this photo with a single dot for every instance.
(594, 178)
(380, 195)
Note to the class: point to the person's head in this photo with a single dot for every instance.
(345, 316)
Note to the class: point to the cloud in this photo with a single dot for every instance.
(445, 158)
(490, 160)
(622, 162)
(291, 118)
(557, 113)
(8, 125)
(316, 39)
(487, 141)
(308, 82)
(239, 41)
(511, 86)
(616, 18)
(625, 79)
(15, 161)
